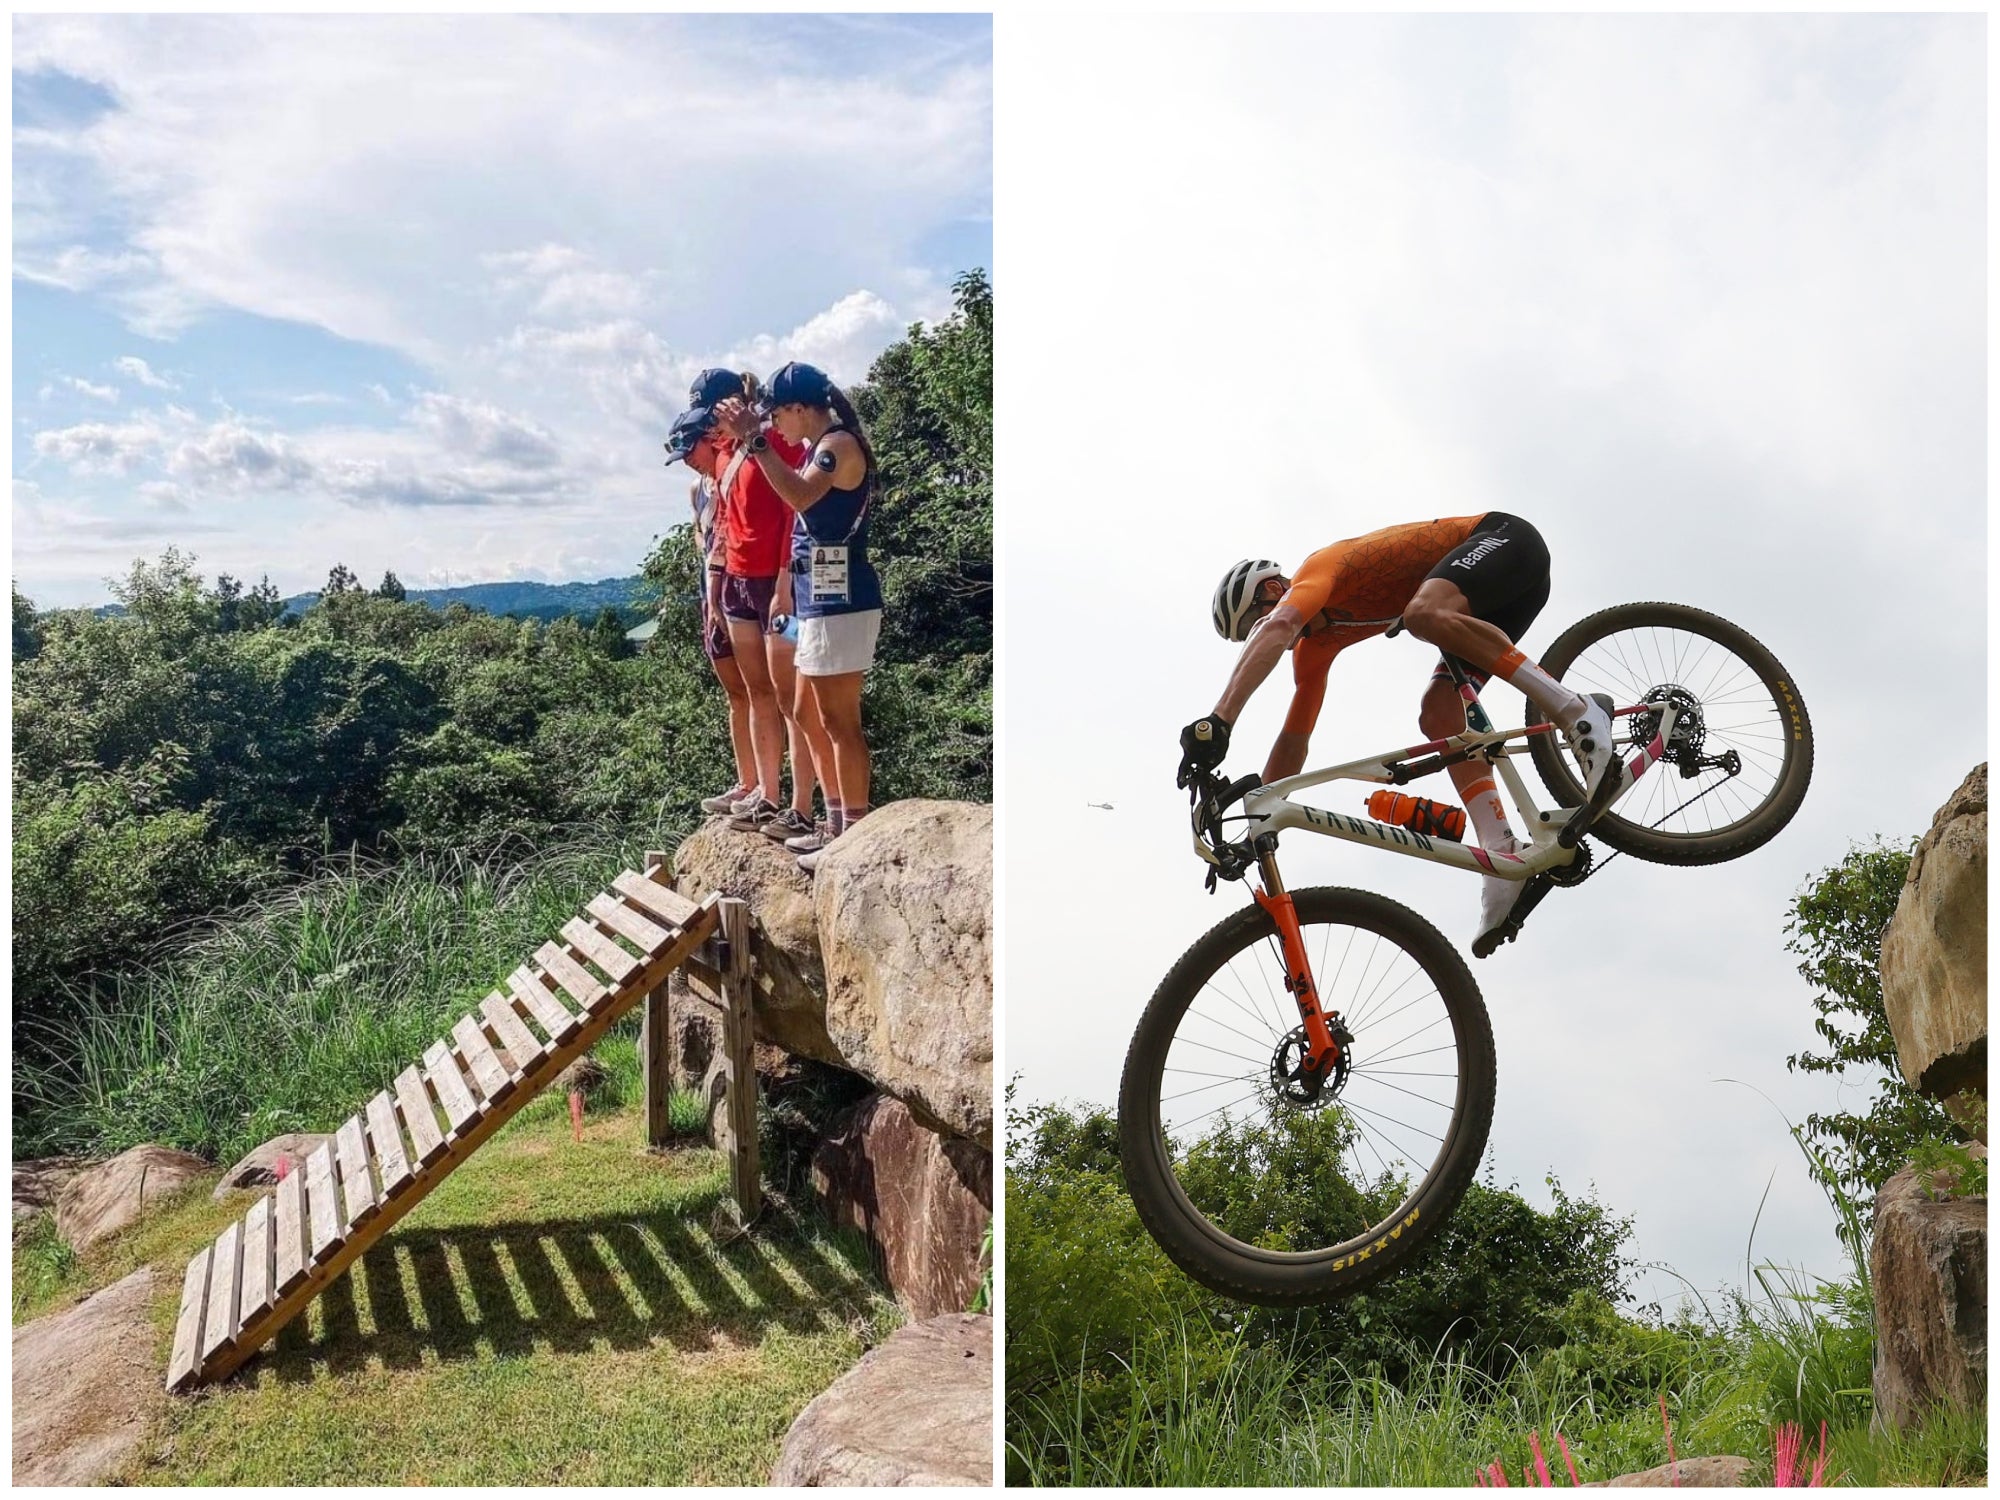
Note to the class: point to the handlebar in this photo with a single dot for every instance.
(1209, 797)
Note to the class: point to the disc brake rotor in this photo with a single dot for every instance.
(1296, 1082)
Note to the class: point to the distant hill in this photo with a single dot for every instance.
(537, 601)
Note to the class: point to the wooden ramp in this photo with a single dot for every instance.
(263, 1270)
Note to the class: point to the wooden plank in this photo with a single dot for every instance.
(259, 1331)
(419, 1117)
(649, 936)
(656, 1063)
(357, 1187)
(492, 1079)
(557, 1019)
(289, 1263)
(664, 902)
(449, 1086)
(385, 1143)
(256, 1294)
(571, 975)
(600, 950)
(322, 1209)
(187, 1327)
(225, 1280)
(739, 1043)
(523, 1050)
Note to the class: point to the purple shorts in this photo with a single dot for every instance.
(748, 598)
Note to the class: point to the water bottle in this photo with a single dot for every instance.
(1438, 820)
(788, 627)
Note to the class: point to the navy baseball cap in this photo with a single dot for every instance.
(796, 384)
(689, 428)
(714, 385)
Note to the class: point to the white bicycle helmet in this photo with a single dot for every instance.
(1236, 596)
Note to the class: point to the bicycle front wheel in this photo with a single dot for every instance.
(1740, 755)
(1278, 1189)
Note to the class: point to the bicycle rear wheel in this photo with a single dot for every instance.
(1740, 756)
(1264, 1194)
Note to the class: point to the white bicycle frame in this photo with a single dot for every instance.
(1270, 808)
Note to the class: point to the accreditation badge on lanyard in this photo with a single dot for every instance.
(829, 573)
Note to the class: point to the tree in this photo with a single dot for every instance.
(1836, 927)
(391, 587)
(27, 638)
(340, 581)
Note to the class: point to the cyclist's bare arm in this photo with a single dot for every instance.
(1288, 755)
(1269, 640)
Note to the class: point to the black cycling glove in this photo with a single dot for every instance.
(1203, 744)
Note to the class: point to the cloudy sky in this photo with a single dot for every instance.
(422, 294)
(1703, 298)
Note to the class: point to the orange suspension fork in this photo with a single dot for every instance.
(1276, 900)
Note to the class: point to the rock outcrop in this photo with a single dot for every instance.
(916, 1411)
(881, 962)
(905, 908)
(86, 1385)
(259, 1167)
(1928, 1264)
(921, 1199)
(1934, 952)
(38, 1183)
(104, 1199)
(1688, 1473)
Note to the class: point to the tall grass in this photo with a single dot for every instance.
(287, 1013)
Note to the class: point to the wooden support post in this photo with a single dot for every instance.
(740, 1061)
(656, 1036)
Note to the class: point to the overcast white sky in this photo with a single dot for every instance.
(423, 293)
(1703, 298)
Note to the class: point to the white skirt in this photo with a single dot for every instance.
(830, 645)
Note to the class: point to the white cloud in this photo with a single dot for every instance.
(103, 447)
(90, 388)
(137, 369)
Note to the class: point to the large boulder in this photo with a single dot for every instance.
(1928, 1264)
(107, 1197)
(921, 1199)
(86, 1385)
(791, 982)
(1688, 1473)
(259, 1167)
(916, 1411)
(1934, 952)
(38, 1183)
(905, 907)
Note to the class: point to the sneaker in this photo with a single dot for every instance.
(809, 843)
(1497, 898)
(1604, 772)
(752, 814)
(787, 826)
(726, 803)
(810, 862)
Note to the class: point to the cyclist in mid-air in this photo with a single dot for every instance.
(1469, 585)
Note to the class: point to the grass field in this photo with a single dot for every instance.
(555, 1312)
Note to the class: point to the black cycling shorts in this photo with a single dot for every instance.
(1503, 571)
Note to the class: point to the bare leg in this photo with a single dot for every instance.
(805, 711)
(782, 654)
(839, 698)
(731, 677)
(767, 720)
(1442, 714)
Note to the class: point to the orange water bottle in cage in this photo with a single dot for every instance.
(1438, 820)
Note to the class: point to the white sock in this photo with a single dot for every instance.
(1489, 815)
(1559, 705)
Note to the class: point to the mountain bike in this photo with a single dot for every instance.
(1309, 1090)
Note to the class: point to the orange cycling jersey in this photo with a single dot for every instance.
(1366, 579)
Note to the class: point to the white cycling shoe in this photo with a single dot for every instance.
(1590, 738)
(1497, 898)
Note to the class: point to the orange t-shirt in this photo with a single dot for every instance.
(1366, 579)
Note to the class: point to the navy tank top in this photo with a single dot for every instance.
(838, 520)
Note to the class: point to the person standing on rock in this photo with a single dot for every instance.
(756, 531)
(694, 441)
(817, 459)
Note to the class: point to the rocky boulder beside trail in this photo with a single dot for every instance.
(103, 1199)
(1722, 1472)
(87, 1382)
(1928, 1265)
(922, 1200)
(882, 961)
(1934, 952)
(916, 1411)
(259, 1167)
(38, 1183)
